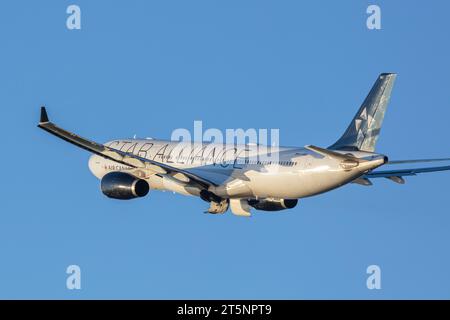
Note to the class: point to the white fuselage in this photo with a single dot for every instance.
(239, 171)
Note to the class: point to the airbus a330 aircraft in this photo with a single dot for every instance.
(237, 176)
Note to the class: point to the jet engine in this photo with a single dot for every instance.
(123, 186)
(273, 204)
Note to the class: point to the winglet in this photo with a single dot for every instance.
(44, 116)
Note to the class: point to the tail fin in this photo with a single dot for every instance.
(363, 131)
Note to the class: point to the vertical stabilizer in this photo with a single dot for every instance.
(363, 131)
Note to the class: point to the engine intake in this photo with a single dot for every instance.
(123, 186)
(273, 204)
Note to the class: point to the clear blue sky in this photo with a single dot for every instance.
(148, 67)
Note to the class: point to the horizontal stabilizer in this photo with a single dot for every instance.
(333, 154)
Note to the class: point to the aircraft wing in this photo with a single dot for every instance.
(125, 158)
(397, 175)
(417, 161)
(403, 172)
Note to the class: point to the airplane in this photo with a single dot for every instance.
(237, 176)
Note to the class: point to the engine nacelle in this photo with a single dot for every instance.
(123, 186)
(273, 204)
